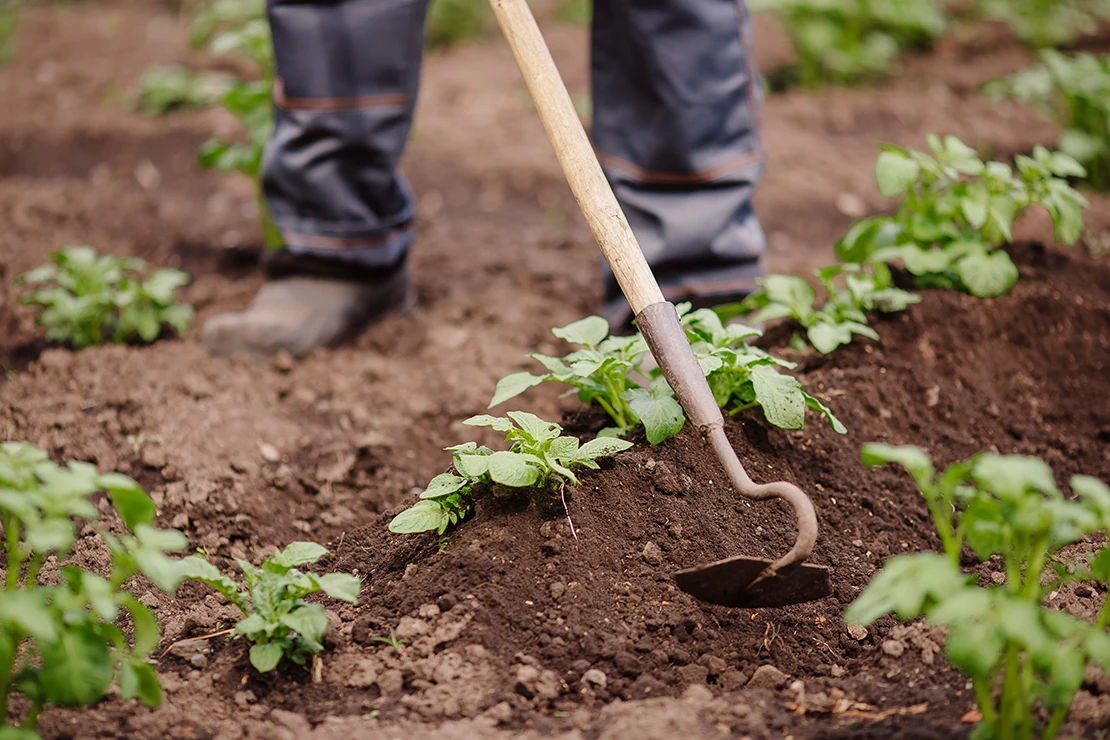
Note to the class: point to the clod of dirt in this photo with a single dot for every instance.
(857, 633)
(894, 648)
(652, 554)
(768, 677)
(531, 683)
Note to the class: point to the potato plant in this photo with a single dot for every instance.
(841, 316)
(88, 298)
(540, 457)
(1075, 91)
(1047, 23)
(843, 42)
(1019, 655)
(277, 621)
(163, 89)
(60, 643)
(957, 210)
(611, 371)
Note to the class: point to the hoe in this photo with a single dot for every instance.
(736, 581)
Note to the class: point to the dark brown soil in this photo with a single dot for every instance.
(501, 627)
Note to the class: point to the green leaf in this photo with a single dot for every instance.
(27, 612)
(146, 632)
(50, 534)
(164, 572)
(299, 553)
(536, 428)
(342, 586)
(498, 424)
(780, 397)
(895, 173)
(472, 466)
(17, 733)
(1010, 476)
(919, 261)
(601, 447)
(443, 484)
(826, 336)
(253, 626)
(513, 469)
(821, 408)
(660, 413)
(588, 332)
(906, 586)
(100, 595)
(1065, 677)
(138, 680)
(308, 620)
(424, 516)
(196, 568)
(131, 501)
(266, 657)
(915, 460)
(987, 275)
(77, 668)
(975, 647)
(164, 540)
(1093, 491)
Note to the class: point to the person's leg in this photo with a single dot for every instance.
(347, 79)
(676, 100)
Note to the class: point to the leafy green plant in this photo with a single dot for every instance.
(59, 641)
(743, 376)
(239, 31)
(540, 457)
(163, 89)
(1000, 636)
(612, 372)
(1046, 23)
(843, 42)
(277, 620)
(1075, 91)
(957, 210)
(9, 24)
(452, 21)
(89, 296)
(844, 311)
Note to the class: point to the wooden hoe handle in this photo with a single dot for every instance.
(576, 155)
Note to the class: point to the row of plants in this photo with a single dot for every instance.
(845, 42)
(61, 639)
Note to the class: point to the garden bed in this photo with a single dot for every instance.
(517, 626)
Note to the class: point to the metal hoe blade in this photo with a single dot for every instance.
(736, 581)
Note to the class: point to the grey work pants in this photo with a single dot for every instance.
(675, 106)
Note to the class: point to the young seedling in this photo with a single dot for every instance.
(89, 298)
(392, 640)
(611, 372)
(539, 458)
(843, 42)
(957, 210)
(1047, 23)
(1000, 636)
(603, 371)
(59, 639)
(844, 312)
(1075, 91)
(277, 621)
(163, 89)
(743, 376)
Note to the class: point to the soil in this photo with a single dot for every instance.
(515, 627)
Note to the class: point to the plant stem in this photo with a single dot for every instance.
(985, 700)
(1058, 716)
(1010, 690)
(15, 559)
(33, 570)
(32, 717)
(1103, 614)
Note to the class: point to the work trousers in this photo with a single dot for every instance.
(675, 98)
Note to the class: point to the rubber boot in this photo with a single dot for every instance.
(298, 314)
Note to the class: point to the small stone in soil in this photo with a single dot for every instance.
(596, 678)
(858, 633)
(200, 660)
(558, 589)
(269, 453)
(652, 554)
(767, 677)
